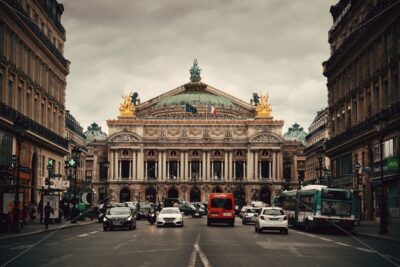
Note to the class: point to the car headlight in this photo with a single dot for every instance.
(105, 219)
(129, 218)
(179, 218)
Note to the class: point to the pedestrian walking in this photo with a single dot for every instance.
(47, 211)
(32, 211)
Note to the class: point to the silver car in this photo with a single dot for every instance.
(250, 215)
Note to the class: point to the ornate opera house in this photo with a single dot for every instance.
(187, 143)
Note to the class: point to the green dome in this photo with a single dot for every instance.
(296, 133)
(94, 133)
(195, 98)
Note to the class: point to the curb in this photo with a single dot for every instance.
(69, 225)
(376, 236)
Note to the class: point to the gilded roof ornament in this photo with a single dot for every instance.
(195, 72)
(264, 109)
(127, 108)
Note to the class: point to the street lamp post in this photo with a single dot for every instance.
(357, 167)
(74, 162)
(19, 129)
(380, 127)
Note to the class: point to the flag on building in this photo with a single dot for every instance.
(211, 109)
(190, 108)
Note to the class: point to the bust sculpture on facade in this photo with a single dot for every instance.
(264, 109)
(127, 108)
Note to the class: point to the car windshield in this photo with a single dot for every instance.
(169, 211)
(273, 212)
(118, 211)
(252, 211)
(224, 203)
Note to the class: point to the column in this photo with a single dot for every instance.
(167, 171)
(280, 166)
(208, 167)
(274, 161)
(178, 171)
(130, 170)
(110, 174)
(226, 165)
(164, 167)
(159, 166)
(222, 170)
(181, 165)
(270, 169)
(186, 167)
(141, 173)
(134, 165)
(256, 168)
(204, 166)
(244, 170)
(234, 170)
(145, 170)
(212, 170)
(249, 172)
(115, 165)
(190, 171)
(230, 171)
(119, 169)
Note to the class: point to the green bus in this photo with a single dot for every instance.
(317, 206)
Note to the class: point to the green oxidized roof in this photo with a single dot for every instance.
(296, 133)
(195, 98)
(94, 132)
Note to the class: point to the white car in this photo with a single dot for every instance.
(170, 217)
(272, 218)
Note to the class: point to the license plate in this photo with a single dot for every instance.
(227, 214)
(335, 221)
(273, 219)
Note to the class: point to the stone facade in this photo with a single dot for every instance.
(363, 75)
(164, 151)
(32, 93)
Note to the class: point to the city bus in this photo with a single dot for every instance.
(317, 206)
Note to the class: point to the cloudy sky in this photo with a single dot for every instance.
(242, 46)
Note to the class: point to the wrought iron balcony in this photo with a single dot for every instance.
(12, 115)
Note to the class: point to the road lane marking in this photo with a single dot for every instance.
(342, 244)
(365, 250)
(82, 235)
(93, 232)
(197, 249)
(119, 246)
(203, 256)
(325, 239)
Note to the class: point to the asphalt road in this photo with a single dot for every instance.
(195, 245)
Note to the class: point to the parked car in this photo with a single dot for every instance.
(250, 215)
(272, 218)
(143, 212)
(170, 216)
(119, 217)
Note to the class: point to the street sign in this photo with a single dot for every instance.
(357, 166)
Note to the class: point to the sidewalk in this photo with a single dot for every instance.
(36, 228)
(371, 229)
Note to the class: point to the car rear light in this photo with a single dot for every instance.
(285, 218)
(262, 217)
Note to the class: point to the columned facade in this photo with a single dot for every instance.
(164, 150)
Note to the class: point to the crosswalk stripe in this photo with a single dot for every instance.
(365, 250)
(82, 235)
(325, 239)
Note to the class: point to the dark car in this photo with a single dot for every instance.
(143, 212)
(119, 217)
(187, 209)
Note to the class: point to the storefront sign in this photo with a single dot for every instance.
(393, 164)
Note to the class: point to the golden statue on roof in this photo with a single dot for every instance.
(127, 108)
(264, 109)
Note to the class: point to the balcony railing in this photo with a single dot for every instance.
(11, 114)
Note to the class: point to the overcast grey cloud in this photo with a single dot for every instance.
(268, 46)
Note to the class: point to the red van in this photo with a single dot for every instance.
(221, 209)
